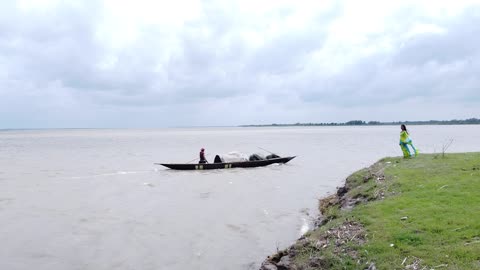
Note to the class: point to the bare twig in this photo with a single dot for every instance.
(353, 237)
(445, 146)
(458, 229)
(443, 187)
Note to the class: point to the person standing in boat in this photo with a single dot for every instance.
(405, 141)
(202, 156)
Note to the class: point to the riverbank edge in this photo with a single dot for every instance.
(362, 186)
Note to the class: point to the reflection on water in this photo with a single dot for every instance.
(92, 199)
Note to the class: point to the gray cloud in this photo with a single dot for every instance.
(58, 68)
(429, 66)
(457, 44)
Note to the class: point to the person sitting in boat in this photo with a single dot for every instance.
(202, 156)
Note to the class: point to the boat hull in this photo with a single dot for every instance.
(227, 165)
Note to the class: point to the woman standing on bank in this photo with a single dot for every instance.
(405, 141)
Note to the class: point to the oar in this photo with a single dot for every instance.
(267, 151)
(192, 160)
(197, 158)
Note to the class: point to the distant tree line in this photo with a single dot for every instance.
(471, 121)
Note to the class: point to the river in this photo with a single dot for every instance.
(93, 199)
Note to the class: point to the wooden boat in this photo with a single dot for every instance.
(227, 165)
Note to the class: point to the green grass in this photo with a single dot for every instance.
(441, 199)
(424, 212)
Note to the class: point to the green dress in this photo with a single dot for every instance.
(405, 141)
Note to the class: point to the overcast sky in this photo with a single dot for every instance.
(207, 63)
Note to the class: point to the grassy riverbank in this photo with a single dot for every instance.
(419, 213)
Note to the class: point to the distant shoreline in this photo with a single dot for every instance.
(471, 121)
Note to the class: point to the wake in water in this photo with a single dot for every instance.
(111, 174)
